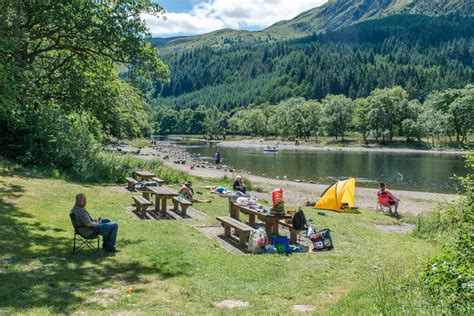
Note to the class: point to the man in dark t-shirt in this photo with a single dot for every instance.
(87, 226)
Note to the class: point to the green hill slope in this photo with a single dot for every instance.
(340, 13)
(333, 15)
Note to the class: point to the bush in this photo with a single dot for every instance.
(449, 277)
(113, 167)
(137, 142)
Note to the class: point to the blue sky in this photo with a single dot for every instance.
(176, 5)
(189, 17)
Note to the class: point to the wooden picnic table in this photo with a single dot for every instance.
(271, 221)
(161, 195)
(143, 175)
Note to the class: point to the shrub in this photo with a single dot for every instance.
(449, 277)
(113, 167)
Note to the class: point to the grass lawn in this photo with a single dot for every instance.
(172, 266)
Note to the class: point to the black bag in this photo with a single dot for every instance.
(322, 240)
(299, 220)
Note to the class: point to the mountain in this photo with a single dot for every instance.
(333, 15)
(340, 13)
(419, 53)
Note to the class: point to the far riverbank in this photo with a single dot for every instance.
(282, 145)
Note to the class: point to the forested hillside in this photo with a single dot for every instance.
(418, 53)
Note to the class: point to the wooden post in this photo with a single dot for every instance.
(293, 236)
(163, 207)
(252, 220)
(242, 239)
(275, 226)
(157, 203)
(269, 229)
(226, 230)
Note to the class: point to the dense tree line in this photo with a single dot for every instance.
(419, 53)
(385, 113)
(60, 93)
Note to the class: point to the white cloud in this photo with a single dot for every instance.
(207, 16)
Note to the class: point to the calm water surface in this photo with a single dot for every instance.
(414, 172)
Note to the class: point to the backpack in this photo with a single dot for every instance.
(299, 220)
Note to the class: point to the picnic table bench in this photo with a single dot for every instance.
(142, 204)
(143, 175)
(242, 229)
(271, 221)
(159, 181)
(293, 232)
(131, 183)
(184, 205)
(161, 195)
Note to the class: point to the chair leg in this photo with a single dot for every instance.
(74, 245)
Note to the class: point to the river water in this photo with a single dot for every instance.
(432, 172)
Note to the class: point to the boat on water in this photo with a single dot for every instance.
(271, 149)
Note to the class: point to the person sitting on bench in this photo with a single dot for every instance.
(88, 227)
(187, 193)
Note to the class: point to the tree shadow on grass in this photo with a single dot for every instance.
(38, 270)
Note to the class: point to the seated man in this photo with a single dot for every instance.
(187, 193)
(392, 200)
(87, 226)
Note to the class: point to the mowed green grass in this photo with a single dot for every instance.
(172, 266)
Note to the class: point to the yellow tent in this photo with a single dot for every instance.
(338, 197)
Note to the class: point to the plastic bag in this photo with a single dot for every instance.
(242, 201)
(257, 240)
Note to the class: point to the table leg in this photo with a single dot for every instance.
(252, 220)
(268, 229)
(163, 205)
(146, 195)
(157, 204)
(275, 227)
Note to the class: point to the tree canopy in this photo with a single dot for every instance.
(61, 59)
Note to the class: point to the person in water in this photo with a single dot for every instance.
(239, 185)
(186, 192)
(217, 157)
(392, 200)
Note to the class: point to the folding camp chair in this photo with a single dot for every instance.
(382, 203)
(83, 241)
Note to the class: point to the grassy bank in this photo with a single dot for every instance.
(172, 266)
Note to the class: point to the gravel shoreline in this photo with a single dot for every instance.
(261, 144)
(296, 193)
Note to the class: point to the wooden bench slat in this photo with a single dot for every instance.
(242, 229)
(181, 201)
(234, 223)
(158, 180)
(293, 232)
(141, 200)
(289, 225)
(131, 180)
